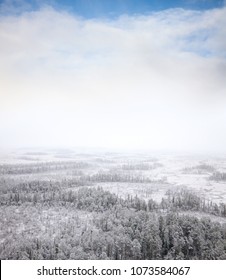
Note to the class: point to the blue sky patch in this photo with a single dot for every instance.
(109, 8)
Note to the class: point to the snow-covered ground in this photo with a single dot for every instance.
(163, 171)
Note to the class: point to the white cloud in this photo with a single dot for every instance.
(154, 81)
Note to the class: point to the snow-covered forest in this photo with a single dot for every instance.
(69, 205)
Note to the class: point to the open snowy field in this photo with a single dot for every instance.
(143, 175)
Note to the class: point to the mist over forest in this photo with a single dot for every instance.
(137, 89)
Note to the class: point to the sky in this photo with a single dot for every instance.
(138, 75)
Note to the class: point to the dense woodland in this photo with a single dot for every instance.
(119, 228)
